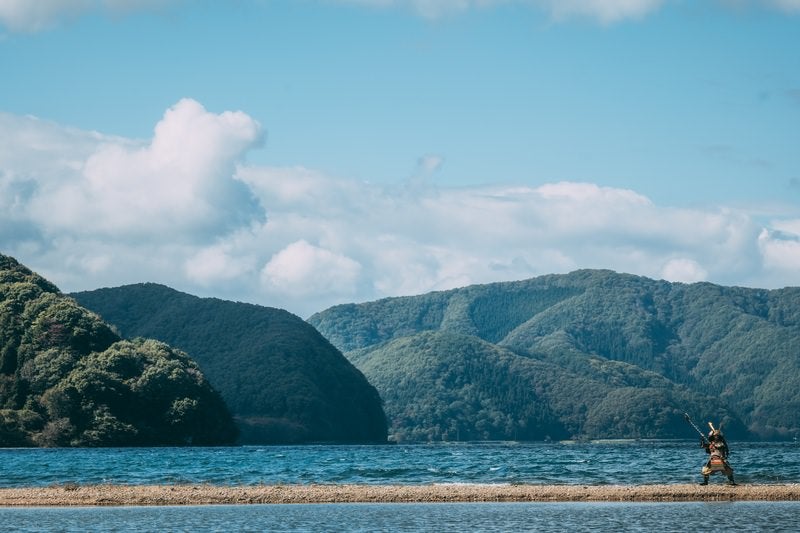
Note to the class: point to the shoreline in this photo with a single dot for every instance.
(71, 495)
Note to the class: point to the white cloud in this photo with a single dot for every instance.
(89, 210)
(781, 248)
(791, 226)
(302, 269)
(430, 163)
(438, 238)
(603, 10)
(426, 8)
(216, 264)
(37, 15)
(684, 271)
(179, 185)
(27, 15)
(790, 6)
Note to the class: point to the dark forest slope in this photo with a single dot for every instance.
(66, 379)
(736, 351)
(282, 380)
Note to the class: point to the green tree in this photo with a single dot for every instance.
(66, 379)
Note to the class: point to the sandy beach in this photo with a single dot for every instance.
(97, 495)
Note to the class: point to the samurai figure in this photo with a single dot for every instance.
(718, 451)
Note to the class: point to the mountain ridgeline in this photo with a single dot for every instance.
(591, 354)
(67, 379)
(281, 379)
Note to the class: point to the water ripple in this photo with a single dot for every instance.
(635, 462)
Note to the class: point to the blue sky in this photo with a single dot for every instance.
(300, 154)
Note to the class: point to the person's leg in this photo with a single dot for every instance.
(706, 471)
(729, 473)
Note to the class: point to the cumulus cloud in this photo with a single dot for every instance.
(409, 242)
(89, 210)
(216, 265)
(302, 269)
(683, 270)
(92, 206)
(780, 247)
(179, 185)
(791, 226)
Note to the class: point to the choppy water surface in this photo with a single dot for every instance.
(634, 462)
(737, 516)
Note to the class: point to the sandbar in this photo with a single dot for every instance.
(71, 494)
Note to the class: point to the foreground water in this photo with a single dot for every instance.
(736, 516)
(594, 463)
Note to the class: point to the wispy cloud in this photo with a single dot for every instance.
(603, 11)
(790, 6)
(90, 210)
(38, 15)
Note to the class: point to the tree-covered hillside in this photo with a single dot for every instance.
(282, 380)
(440, 385)
(606, 354)
(66, 379)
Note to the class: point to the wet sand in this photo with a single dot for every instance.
(96, 495)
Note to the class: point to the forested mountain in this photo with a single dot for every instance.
(66, 379)
(599, 354)
(282, 380)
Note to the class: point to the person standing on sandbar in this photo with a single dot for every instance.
(718, 451)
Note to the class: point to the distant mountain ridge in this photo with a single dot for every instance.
(282, 380)
(600, 354)
(67, 379)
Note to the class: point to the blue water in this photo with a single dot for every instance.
(635, 462)
(599, 463)
(513, 517)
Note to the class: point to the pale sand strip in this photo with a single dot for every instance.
(95, 495)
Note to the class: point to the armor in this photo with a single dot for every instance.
(717, 449)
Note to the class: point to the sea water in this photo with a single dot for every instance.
(513, 517)
(585, 463)
(591, 463)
